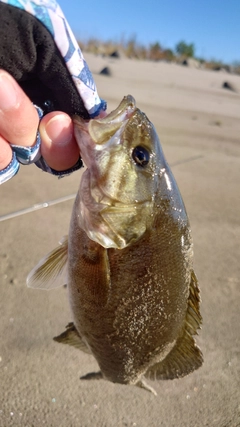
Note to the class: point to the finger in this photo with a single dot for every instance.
(102, 114)
(18, 117)
(5, 153)
(58, 145)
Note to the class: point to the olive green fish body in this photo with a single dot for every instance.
(132, 289)
(131, 311)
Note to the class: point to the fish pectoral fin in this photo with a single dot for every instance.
(51, 271)
(72, 337)
(95, 264)
(185, 356)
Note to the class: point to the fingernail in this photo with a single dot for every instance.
(8, 93)
(59, 129)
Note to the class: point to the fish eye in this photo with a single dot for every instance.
(141, 156)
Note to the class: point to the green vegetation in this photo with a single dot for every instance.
(154, 52)
(184, 49)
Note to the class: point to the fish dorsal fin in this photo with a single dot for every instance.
(51, 271)
(72, 337)
(185, 356)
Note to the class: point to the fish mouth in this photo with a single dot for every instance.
(102, 130)
(99, 134)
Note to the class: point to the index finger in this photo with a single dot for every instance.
(18, 117)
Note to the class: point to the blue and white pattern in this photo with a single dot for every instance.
(28, 155)
(22, 155)
(52, 17)
(11, 170)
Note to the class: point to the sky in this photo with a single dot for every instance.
(213, 26)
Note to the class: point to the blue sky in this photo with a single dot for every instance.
(213, 26)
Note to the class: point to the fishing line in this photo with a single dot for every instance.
(36, 207)
(43, 205)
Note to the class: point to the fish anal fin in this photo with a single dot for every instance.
(50, 272)
(72, 337)
(185, 356)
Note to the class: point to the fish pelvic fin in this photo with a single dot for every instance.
(51, 271)
(185, 356)
(145, 386)
(72, 337)
(92, 376)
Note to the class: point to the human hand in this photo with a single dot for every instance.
(19, 123)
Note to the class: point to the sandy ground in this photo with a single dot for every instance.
(199, 126)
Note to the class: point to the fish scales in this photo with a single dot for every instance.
(110, 310)
(132, 289)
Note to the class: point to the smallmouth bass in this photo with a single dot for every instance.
(133, 293)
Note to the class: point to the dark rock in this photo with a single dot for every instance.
(191, 62)
(114, 54)
(229, 86)
(222, 68)
(105, 71)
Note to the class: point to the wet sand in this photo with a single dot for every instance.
(199, 126)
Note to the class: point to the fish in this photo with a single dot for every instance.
(128, 258)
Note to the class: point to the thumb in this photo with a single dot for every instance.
(58, 145)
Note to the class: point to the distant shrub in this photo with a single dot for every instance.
(168, 55)
(185, 49)
(154, 52)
